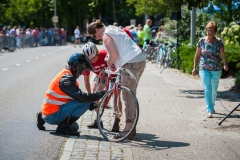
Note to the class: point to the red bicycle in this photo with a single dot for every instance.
(113, 104)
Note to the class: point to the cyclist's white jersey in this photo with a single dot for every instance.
(126, 47)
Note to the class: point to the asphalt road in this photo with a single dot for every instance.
(25, 76)
(172, 122)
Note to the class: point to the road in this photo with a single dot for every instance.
(172, 122)
(25, 76)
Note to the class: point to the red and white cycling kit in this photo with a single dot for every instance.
(99, 64)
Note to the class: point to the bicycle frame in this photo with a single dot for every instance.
(116, 87)
(106, 79)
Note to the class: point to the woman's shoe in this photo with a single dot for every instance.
(209, 115)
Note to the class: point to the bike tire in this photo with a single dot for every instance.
(100, 85)
(106, 116)
(154, 57)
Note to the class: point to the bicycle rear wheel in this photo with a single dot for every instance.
(112, 106)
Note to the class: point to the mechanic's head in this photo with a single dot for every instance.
(78, 63)
(91, 51)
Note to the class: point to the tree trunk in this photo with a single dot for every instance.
(115, 10)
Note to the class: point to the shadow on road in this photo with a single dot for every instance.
(224, 95)
(150, 141)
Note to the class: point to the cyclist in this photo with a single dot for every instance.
(122, 51)
(97, 58)
(64, 102)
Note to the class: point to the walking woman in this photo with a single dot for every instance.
(210, 50)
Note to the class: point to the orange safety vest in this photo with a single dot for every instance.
(54, 97)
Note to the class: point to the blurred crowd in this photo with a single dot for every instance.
(137, 33)
(21, 37)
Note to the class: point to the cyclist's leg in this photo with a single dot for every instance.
(137, 69)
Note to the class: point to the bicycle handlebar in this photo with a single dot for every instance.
(122, 69)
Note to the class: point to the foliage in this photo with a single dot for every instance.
(34, 13)
(237, 79)
(231, 34)
(187, 54)
(201, 22)
(184, 24)
(165, 7)
(190, 3)
(230, 10)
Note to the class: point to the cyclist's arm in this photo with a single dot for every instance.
(87, 83)
(111, 47)
(68, 85)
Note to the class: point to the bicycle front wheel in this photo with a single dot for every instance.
(123, 106)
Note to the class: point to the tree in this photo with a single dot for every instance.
(229, 10)
(166, 7)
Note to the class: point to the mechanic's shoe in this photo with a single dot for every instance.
(116, 125)
(94, 124)
(63, 127)
(40, 121)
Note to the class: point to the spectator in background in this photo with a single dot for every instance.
(140, 35)
(77, 36)
(18, 37)
(147, 31)
(28, 38)
(160, 31)
(42, 37)
(12, 34)
(139, 25)
(4, 31)
(56, 36)
(62, 36)
(13, 31)
(35, 34)
(134, 34)
(49, 33)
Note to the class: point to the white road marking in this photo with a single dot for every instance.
(4, 69)
(28, 60)
(36, 57)
(18, 64)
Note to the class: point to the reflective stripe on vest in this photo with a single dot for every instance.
(50, 101)
(49, 91)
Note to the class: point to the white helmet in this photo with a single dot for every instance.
(90, 50)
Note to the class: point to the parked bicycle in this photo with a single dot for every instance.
(151, 51)
(112, 105)
(168, 57)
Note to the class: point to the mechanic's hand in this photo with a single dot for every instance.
(93, 106)
(101, 93)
